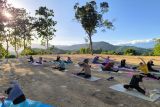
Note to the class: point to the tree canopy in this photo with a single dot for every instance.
(91, 18)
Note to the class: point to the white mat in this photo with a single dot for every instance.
(89, 79)
(119, 87)
(155, 73)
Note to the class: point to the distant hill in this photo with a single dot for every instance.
(104, 46)
(96, 45)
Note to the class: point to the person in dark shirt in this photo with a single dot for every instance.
(149, 65)
(58, 58)
(134, 83)
(123, 63)
(31, 59)
(96, 60)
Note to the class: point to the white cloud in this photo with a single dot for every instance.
(132, 42)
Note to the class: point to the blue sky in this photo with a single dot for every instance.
(135, 20)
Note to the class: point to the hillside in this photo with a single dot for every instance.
(104, 46)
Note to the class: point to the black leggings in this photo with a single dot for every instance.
(59, 68)
(151, 76)
(84, 75)
(110, 69)
(19, 100)
(153, 70)
(139, 89)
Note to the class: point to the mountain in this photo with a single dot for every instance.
(96, 45)
(104, 46)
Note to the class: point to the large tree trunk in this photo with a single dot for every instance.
(47, 43)
(24, 44)
(91, 46)
(7, 41)
(15, 47)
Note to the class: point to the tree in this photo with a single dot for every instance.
(156, 49)
(45, 25)
(2, 51)
(130, 51)
(91, 18)
(26, 29)
(15, 23)
(3, 7)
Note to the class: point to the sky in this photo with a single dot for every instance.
(134, 20)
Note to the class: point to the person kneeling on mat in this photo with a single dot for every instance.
(14, 93)
(135, 84)
(86, 71)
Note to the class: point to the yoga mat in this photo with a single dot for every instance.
(27, 103)
(135, 93)
(36, 63)
(89, 79)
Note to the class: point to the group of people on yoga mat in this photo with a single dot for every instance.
(61, 63)
(31, 60)
(137, 79)
(108, 65)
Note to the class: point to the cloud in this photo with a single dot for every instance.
(133, 42)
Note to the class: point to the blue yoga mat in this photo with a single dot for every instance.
(27, 103)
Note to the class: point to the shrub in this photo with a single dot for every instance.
(11, 56)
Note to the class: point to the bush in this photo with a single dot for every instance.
(3, 52)
(130, 51)
(109, 52)
(11, 56)
(157, 49)
(28, 51)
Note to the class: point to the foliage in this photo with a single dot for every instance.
(28, 51)
(109, 52)
(84, 51)
(91, 17)
(11, 56)
(3, 52)
(130, 51)
(156, 49)
(45, 25)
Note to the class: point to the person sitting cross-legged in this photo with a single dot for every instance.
(150, 68)
(31, 59)
(60, 66)
(86, 69)
(68, 61)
